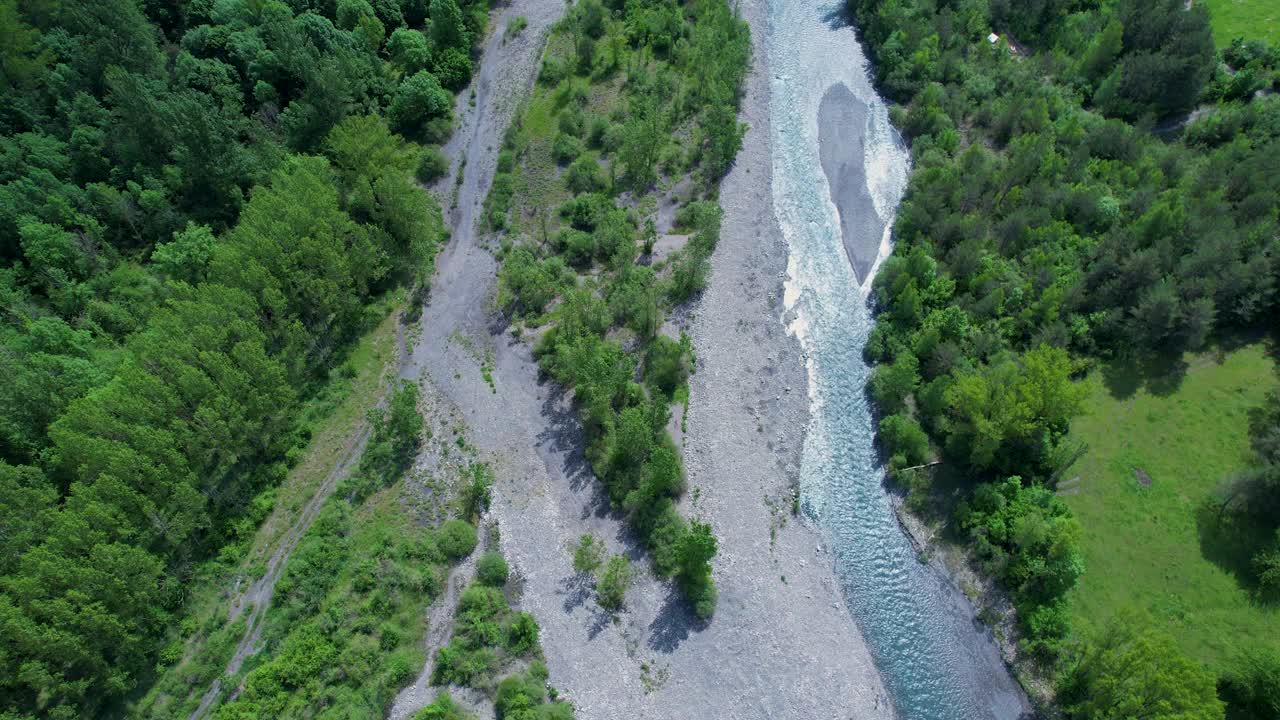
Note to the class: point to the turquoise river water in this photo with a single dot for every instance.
(935, 658)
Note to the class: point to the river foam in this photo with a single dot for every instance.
(936, 660)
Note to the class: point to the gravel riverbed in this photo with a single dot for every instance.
(782, 643)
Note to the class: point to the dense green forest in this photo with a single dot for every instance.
(633, 98)
(198, 201)
(1060, 213)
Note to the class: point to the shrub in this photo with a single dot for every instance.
(477, 493)
(419, 99)
(571, 121)
(694, 551)
(456, 538)
(584, 175)
(589, 16)
(585, 211)
(1251, 687)
(522, 634)
(1045, 627)
(457, 666)
(499, 201)
(616, 238)
(492, 570)
(612, 138)
(453, 68)
(892, 384)
(506, 161)
(527, 285)
(667, 363)
(432, 165)
(1032, 535)
(1137, 670)
(611, 590)
(409, 50)
(588, 555)
(1266, 564)
(553, 71)
(399, 668)
(517, 693)
(480, 603)
(565, 148)
(597, 129)
(443, 708)
(668, 527)
(688, 277)
(903, 438)
(578, 247)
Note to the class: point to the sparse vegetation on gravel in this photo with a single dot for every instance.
(631, 102)
(490, 638)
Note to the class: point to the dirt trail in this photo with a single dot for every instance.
(258, 595)
(439, 627)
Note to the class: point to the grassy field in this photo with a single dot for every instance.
(1160, 548)
(1253, 19)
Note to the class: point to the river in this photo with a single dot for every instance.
(839, 172)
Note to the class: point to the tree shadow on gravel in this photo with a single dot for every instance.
(563, 434)
(575, 589)
(600, 619)
(563, 437)
(838, 17)
(673, 624)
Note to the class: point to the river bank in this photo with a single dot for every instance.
(935, 547)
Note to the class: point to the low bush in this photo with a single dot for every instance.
(444, 707)
(492, 570)
(588, 555)
(584, 175)
(615, 579)
(1027, 537)
(566, 148)
(432, 165)
(456, 538)
(904, 441)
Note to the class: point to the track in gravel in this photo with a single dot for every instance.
(258, 595)
(439, 626)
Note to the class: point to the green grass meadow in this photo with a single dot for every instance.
(1251, 19)
(1162, 548)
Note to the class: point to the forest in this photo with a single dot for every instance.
(1067, 207)
(199, 203)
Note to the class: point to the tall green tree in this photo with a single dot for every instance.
(448, 29)
(1135, 671)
